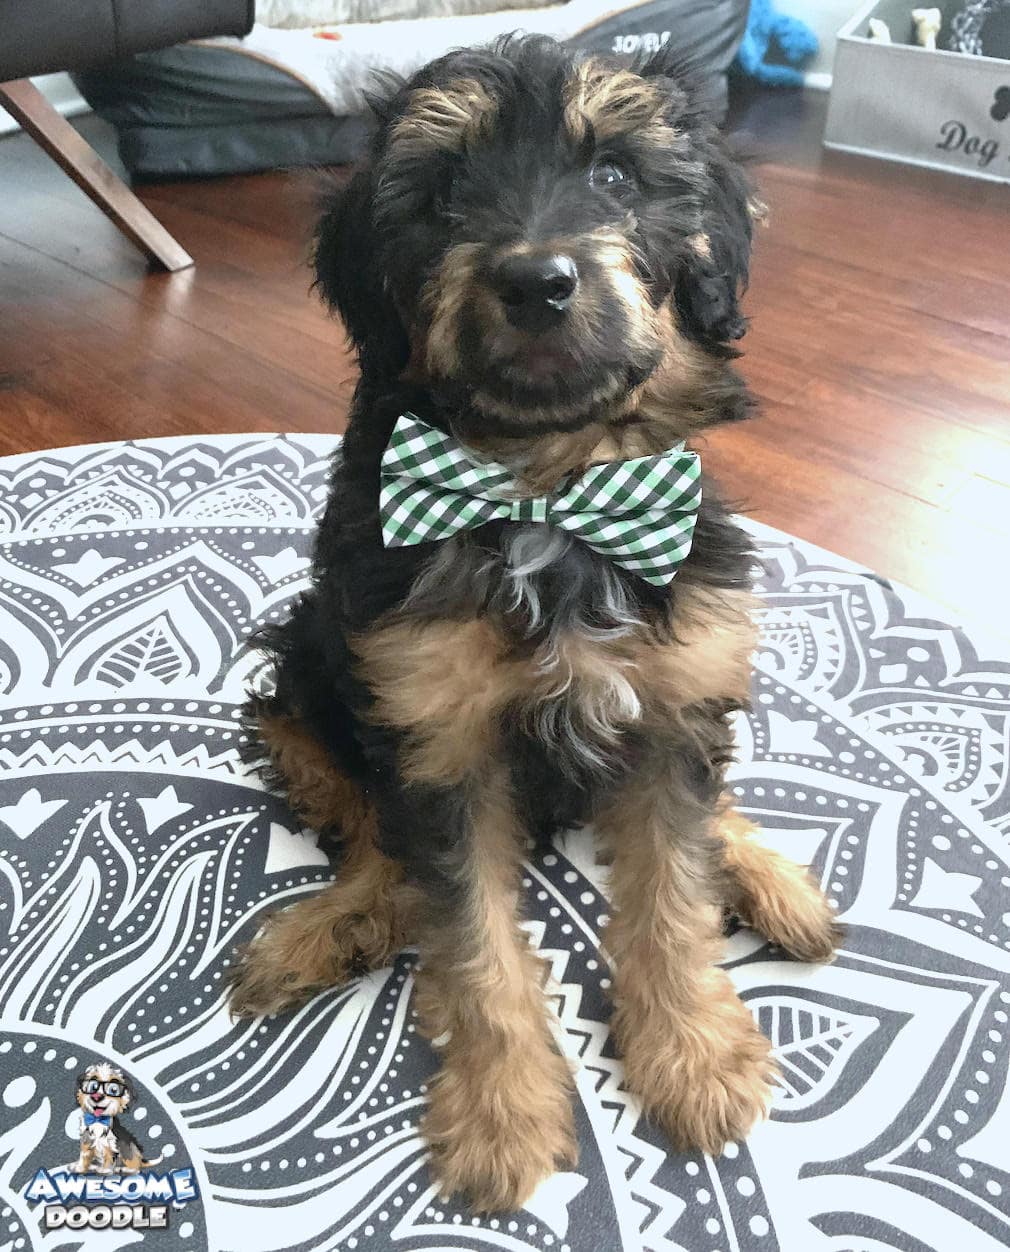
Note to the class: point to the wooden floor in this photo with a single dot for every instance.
(880, 342)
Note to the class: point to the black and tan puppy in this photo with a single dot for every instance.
(103, 1095)
(540, 259)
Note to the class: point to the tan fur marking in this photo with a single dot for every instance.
(759, 211)
(683, 392)
(611, 252)
(647, 326)
(499, 1117)
(679, 397)
(778, 898)
(701, 245)
(444, 683)
(621, 443)
(543, 460)
(319, 793)
(552, 457)
(675, 402)
(600, 682)
(447, 298)
(614, 103)
(710, 658)
(443, 119)
(362, 919)
(692, 1051)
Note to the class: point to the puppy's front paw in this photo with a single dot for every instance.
(496, 1132)
(706, 1078)
(263, 981)
(798, 918)
(783, 902)
(302, 950)
(775, 896)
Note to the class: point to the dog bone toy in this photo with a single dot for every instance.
(927, 27)
(879, 31)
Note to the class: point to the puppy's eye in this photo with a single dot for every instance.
(609, 173)
(113, 1089)
(89, 1086)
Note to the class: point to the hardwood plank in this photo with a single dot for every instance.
(884, 459)
(897, 442)
(116, 365)
(980, 303)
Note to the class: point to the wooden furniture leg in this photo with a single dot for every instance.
(27, 105)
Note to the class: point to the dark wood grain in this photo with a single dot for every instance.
(879, 344)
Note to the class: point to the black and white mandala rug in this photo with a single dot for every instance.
(136, 851)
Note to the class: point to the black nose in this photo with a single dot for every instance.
(535, 289)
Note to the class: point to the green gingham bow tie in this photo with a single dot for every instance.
(639, 513)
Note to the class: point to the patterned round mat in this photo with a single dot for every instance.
(135, 851)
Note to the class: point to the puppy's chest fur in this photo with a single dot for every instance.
(542, 652)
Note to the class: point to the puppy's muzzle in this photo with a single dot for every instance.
(536, 289)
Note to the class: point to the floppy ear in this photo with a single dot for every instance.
(349, 277)
(715, 272)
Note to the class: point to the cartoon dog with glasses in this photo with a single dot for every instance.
(104, 1094)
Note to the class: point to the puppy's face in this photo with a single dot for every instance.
(103, 1090)
(532, 224)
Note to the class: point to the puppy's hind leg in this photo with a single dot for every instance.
(358, 922)
(775, 896)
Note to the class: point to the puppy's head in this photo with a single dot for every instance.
(535, 236)
(104, 1090)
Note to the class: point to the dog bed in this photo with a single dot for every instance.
(136, 851)
(285, 97)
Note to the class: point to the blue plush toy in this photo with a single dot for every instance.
(793, 38)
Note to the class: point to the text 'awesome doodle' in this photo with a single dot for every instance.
(111, 1185)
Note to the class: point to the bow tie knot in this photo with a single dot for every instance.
(529, 509)
(640, 513)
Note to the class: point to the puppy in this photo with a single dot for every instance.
(539, 266)
(103, 1095)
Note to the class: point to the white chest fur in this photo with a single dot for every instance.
(101, 1136)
